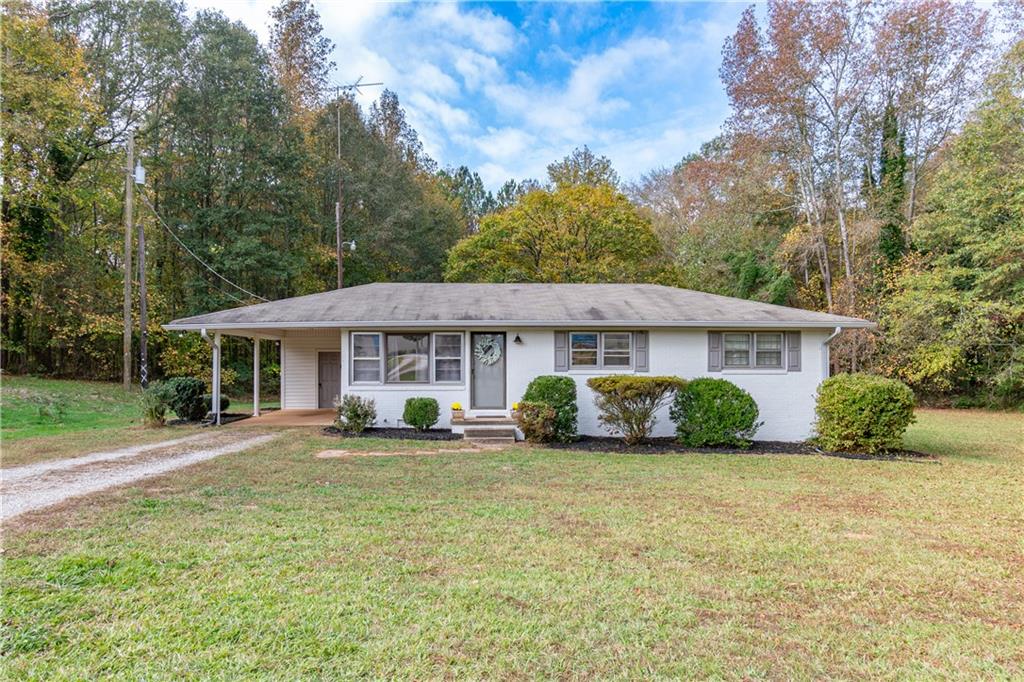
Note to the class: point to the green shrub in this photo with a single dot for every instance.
(629, 403)
(225, 402)
(155, 403)
(558, 392)
(537, 421)
(186, 398)
(421, 413)
(355, 413)
(714, 412)
(863, 413)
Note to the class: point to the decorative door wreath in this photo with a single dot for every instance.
(487, 350)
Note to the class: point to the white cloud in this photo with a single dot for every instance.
(505, 144)
(507, 100)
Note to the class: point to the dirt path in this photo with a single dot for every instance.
(35, 486)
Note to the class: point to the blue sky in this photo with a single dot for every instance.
(506, 88)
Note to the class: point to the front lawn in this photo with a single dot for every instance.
(535, 563)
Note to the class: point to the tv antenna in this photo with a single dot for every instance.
(340, 243)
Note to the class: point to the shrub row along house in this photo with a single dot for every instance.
(481, 344)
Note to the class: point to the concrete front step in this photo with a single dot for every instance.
(484, 421)
(474, 433)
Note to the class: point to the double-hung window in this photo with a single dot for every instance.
(762, 350)
(407, 358)
(600, 350)
(366, 358)
(447, 358)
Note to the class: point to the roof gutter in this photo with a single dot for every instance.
(511, 324)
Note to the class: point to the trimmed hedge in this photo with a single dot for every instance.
(559, 392)
(355, 413)
(629, 403)
(537, 421)
(421, 413)
(714, 412)
(863, 413)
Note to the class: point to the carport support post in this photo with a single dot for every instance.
(255, 376)
(216, 378)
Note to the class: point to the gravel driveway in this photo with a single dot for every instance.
(34, 486)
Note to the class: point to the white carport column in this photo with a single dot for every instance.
(255, 376)
(216, 378)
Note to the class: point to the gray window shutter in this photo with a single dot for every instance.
(640, 352)
(714, 351)
(793, 351)
(561, 351)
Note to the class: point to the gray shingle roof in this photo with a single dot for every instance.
(545, 305)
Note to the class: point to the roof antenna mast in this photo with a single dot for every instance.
(339, 242)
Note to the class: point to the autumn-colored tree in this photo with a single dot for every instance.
(721, 214)
(583, 167)
(927, 54)
(573, 234)
(801, 85)
(300, 54)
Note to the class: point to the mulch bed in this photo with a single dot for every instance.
(656, 446)
(395, 433)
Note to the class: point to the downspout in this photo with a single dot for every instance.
(825, 352)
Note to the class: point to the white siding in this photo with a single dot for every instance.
(785, 400)
(299, 365)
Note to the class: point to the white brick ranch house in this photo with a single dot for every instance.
(481, 344)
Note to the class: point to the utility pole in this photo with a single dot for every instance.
(129, 186)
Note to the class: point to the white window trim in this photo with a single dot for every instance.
(383, 383)
(352, 359)
(752, 365)
(434, 358)
(600, 366)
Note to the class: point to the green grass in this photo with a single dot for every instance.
(67, 407)
(531, 563)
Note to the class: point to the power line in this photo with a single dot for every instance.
(192, 253)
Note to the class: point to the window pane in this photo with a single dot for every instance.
(408, 358)
(616, 360)
(366, 370)
(586, 341)
(616, 341)
(365, 346)
(584, 358)
(447, 345)
(769, 350)
(737, 350)
(448, 370)
(583, 349)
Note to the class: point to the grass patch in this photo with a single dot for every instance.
(536, 563)
(34, 407)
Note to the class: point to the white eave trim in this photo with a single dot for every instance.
(510, 324)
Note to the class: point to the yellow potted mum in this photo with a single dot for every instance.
(457, 411)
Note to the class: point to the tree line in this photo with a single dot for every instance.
(871, 166)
